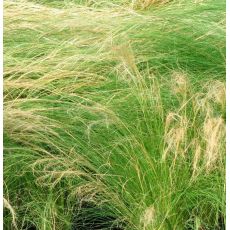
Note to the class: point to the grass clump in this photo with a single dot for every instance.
(114, 115)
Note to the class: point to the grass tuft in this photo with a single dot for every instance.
(114, 115)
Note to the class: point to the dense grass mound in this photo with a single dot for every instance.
(114, 115)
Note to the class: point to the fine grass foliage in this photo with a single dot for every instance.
(114, 115)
